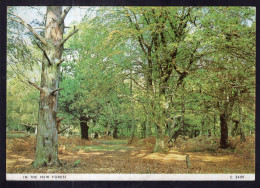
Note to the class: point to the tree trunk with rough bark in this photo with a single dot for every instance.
(225, 117)
(115, 132)
(133, 126)
(161, 119)
(224, 131)
(149, 90)
(160, 144)
(52, 47)
(241, 124)
(143, 128)
(47, 134)
(84, 127)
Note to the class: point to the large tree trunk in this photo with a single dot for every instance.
(132, 133)
(149, 107)
(52, 47)
(224, 131)
(84, 127)
(161, 119)
(160, 144)
(241, 124)
(214, 125)
(225, 117)
(47, 133)
(147, 126)
(133, 126)
(143, 127)
(115, 132)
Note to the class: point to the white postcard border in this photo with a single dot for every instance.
(130, 177)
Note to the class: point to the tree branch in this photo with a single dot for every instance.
(58, 119)
(45, 54)
(53, 91)
(64, 14)
(140, 38)
(62, 130)
(60, 61)
(29, 27)
(136, 82)
(67, 37)
(177, 69)
(36, 86)
(39, 28)
(18, 76)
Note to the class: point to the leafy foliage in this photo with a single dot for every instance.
(138, 69)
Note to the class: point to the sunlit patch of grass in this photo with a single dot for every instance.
(113, 142)
(17, 135)
(102, 148)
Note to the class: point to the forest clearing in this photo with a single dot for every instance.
(107, 155)
(131, 89)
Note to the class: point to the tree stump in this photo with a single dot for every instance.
(188, 162)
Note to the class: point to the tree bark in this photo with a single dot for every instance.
(224, 131)
(84, 127)
(225, 117)
(147, 127)
(161, 119)
(52, 47)
(241, 123)
(133, 126)
(160, 145)
(115, 133)
(149, 91)
(214, 125)
(143, 125)
(47, 133)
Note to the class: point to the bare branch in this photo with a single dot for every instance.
(29, 27)
(64, 14)
(136, 82)
(16, 20)
(39, 28)
(53, 91)
(65, 128)
(60, 61)
(18, 74)
(67, 37)
(177, 69)
(45, 54)
(60, 119)
(36, 86)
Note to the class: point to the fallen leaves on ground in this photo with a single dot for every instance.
(117, 156)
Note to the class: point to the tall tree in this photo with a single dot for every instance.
(52, 47)
(92, 91)
(168, 41)
(231, 68)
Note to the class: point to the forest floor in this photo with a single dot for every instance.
(106, 155)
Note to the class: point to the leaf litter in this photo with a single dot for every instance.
(117, 156)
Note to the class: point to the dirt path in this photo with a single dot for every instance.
(115, 156)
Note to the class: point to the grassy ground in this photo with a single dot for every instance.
(117, 156)
(17, 135)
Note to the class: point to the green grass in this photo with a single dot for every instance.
(102, 148)
(17, 135)
(108, 145)
(113, 142)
